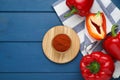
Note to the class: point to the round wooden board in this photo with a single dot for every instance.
(61, 57)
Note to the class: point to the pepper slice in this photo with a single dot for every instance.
(97, 66)
(96, 25)
(112, 44)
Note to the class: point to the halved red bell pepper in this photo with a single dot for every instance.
(97, 66)
(96, 25)
(112, 44)
(81, 7)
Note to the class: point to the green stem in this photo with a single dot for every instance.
(74, 10)
(94, 67)
(98, 13)
(113, 30)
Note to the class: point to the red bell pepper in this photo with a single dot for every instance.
(96, 25)
(81, 7)
(97, 66)
(112, 44)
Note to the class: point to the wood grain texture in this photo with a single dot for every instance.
(40, 76)
(61, 57)
(26, 26)
(23, 24)
(31, 6)
(29, 57)
(26, 5)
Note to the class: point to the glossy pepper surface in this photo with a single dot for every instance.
(112, 44)
(81, 7)
(97, 66)
(96, 25)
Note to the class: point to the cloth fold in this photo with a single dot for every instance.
(77, 23)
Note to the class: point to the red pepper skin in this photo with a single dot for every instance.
(106, 66)
(112, 46)
(82, 6)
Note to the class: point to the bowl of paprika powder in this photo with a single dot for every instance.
(61, 44)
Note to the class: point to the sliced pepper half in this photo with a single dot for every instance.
(96, 25)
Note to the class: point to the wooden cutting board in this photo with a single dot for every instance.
(56, 56)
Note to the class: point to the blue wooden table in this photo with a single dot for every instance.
(23, 24)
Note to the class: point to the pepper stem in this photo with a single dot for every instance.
(113, 30)
(94, 67)
(98, 13)
(71, 12)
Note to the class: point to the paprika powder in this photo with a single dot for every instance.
(61, 42)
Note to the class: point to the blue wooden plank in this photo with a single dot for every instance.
(117, 3)
(26, 26)
(26, 5)
(29, 57)
(40, 76)
(31, 5)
